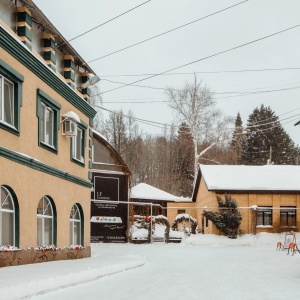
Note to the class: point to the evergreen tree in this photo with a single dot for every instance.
(227, 219)
(184, 164)
(237, 142)
(266, 141)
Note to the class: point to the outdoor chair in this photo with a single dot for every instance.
(294, 248)
(288, 239)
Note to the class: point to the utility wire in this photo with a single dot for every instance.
(240, 93)
(203, 72)
(107, 21)
(204, 58)
(169, 125)
(153, 37)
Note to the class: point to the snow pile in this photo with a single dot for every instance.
(262, 239)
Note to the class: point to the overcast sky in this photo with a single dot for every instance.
(241, 24)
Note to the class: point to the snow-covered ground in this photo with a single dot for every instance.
(201, 267)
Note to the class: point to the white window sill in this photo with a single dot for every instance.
(8, 125)
(264, 226)
(48, 145)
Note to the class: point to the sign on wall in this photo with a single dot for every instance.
(109, 220)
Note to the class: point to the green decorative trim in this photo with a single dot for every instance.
(90, 165)
(52, 67)
(90, 143)
(49, 43)
(23, 16)
(90, 176)
(17, 215)
(34, 164)
(24, 31)
(86, 91)
(28, 45)
(12, 46)
(49, 55)
(42, 97)
(81, 223)
(90, 154)
(91, 133)
(91, 122)
(82, 125)
(69, 63)
(84, 79)
(69, 75)
(17, 79)
(54, 219)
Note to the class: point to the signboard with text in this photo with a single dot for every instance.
(109, 218)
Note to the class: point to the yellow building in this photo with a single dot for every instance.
(267, 196)
(45, 133)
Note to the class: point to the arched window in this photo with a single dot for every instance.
(7, 217)
(75, 226)
(45, 228)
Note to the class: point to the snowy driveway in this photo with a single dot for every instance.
(176, 271)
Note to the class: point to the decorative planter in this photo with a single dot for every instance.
(32, 255)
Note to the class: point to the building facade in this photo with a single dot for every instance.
(109, 197)
(45, 133)
(267, 196)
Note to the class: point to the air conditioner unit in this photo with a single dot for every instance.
(70, 128)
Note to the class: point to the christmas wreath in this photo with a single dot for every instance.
(164, 221)
(182, 219)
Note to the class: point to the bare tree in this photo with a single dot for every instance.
(96, 102)
(195, 106)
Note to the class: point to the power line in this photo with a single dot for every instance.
(153, 37)
(240, 93)
(163, 125)
(107, 21)
(207, 57)
(204, 72)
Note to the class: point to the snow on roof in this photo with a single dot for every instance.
(146, 191)
(251, 178)
(99, 134)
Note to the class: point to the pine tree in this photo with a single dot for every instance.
(266, 141)
(184, 165)
(238, 139)
(228, 219)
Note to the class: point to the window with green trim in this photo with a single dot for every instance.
(45, 222)
(7, 218)
(48, 111)
(10, 98)
(75, 226)
(78, 144)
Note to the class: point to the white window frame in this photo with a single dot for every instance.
(44, 123)
(43, 217)
(4, 81)
(78, 139)
(75, 210)
(9, 196)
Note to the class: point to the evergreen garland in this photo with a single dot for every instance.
(164, 221)
(183, 219)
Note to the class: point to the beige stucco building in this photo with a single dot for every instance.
(45, 133)
(267, 196)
